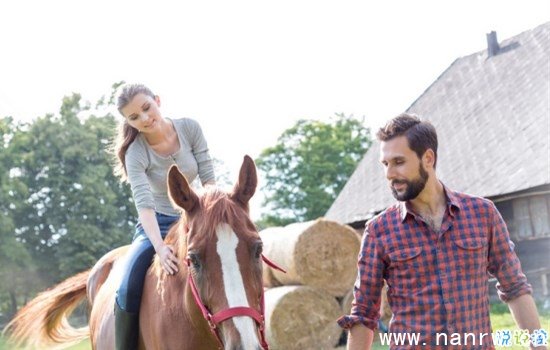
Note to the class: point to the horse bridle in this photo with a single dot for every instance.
(219, 317)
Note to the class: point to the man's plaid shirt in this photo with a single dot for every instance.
(437, 281)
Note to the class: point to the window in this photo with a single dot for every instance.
(527, 217)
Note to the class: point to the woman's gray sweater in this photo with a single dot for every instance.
(147, 171)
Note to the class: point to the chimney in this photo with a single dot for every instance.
(492, 44)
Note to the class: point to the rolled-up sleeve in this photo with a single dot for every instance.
(136, 165)
(200, 151)
(368, 285)
(504, 264)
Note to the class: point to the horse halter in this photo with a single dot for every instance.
(220, 316)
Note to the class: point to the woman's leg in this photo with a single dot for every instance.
(128, 296)
(138, 259)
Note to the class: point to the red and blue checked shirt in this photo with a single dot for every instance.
(437, 281)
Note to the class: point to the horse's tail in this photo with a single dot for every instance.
(43, 321)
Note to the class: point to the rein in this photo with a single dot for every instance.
(219, 317)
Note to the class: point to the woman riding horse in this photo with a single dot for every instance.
(147, 146)
(214, 301)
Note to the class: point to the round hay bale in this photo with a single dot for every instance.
(269, 279)
(301, 317)
(347, 301)
(385, 310)
(319, 253)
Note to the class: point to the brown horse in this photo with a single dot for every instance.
(215, 301)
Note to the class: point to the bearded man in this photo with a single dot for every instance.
(434, 248)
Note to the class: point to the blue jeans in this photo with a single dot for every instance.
(138, 259)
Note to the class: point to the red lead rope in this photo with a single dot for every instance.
(219, 317)
(272, 264)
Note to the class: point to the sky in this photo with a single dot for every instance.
(246, 70)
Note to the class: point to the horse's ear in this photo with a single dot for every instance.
(180, 192)
(246, 185)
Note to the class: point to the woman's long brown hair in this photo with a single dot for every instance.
(125, 133)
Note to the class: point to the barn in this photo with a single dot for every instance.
(492, 113)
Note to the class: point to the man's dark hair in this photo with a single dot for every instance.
(420, 134)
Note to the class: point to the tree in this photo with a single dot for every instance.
(309, 166)
(63, 206)
(15, 261)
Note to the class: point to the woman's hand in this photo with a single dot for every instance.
(168, 260)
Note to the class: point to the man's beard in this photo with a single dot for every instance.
(413, 188)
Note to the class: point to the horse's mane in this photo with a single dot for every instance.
(217, 207)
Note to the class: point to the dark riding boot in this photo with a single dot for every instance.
(126, 329)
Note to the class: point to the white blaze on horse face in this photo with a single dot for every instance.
(234, 286)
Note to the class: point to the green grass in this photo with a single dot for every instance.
(85, 345)
(502, 320)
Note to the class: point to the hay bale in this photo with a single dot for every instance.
(301, 317)
(347, 301)
(269, 234)
(319, 253)
(385, 310)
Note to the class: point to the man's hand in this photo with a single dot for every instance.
(360, 338)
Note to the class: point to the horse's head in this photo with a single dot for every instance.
(223, 252)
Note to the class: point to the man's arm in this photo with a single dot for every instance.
(365, 310)
(524, 312)
(360, 338)
(512, 284)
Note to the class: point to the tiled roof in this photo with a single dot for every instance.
(492, 115)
